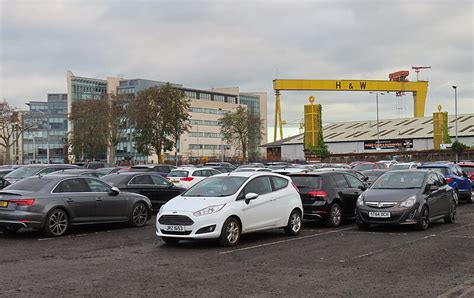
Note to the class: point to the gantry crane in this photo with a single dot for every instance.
(418, 69)
(418, 88)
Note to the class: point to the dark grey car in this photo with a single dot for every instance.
(38, 169)
(407, 197)
(53, 203)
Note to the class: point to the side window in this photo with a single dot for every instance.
(72, 185)
(279, 183)
(141, 179)
(89, 175)
(50, 170)
(97, 186)
(340, 181)
(259, 185)
(441, 179)
(431, 179)
(353, 181)
(158, 180)
(198, 174)
(214, 172)
(164, 169)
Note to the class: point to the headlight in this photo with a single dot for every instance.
(360, 201)
(410, 202)
(209, 210)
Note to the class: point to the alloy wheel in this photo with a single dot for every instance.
(140, 215)
(58, 222)
(424, 219)
(232, 232)
(295, 222)
(336, 215)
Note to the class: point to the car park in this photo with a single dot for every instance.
(226, 206)
(161, 169)
(328, 195)
(187, 177)
(407, 197)
(155, 187)
(53, 203)
(37, 169)
(455, 177)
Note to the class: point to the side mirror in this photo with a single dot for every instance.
(250, 196)
(433, 187)
(114, 191)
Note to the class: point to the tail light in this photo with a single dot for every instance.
(318, 193)
(187, 179)
(23, 202)
(295, 187)
(472, 177)
(449, 179)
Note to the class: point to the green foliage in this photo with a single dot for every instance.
(160, 116)
(321, 149)
(458, 147)
(446, 138)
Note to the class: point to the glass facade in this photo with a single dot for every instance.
(253, 108)
(48, 122)
(87, 89)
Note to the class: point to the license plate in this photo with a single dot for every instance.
(379, 214)
(3, 204)
(175, 228)
(174, 181)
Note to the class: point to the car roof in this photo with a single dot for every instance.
(248, 174)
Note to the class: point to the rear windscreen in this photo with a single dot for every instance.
(32, 184)
(307, 182)
(177, 173)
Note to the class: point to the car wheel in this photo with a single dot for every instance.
(139, 215)
(335, 216)
(10, 230)
(170, 240)
(230, 234)
(452, 213)
(424, 220)
(56, 224)
(294, 224)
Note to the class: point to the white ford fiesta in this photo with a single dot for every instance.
(227, 205)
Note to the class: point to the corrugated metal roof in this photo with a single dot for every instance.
(410, 128)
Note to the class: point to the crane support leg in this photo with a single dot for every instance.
(419, 101)
(278, 121)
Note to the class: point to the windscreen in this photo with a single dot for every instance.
(30, 184)
(221, 186)
(396, 180)
(23, 172)
(178, 173)
(305, 183)
(363, 167)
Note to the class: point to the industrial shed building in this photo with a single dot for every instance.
(361, 136)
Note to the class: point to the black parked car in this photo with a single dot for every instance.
(407, 197)
(161, 169)
(52, 203)
(330, 196)
(158, 189)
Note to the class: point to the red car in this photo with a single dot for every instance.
(468, 168)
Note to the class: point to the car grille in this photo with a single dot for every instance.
(178, 220)
(175, 232)
(380, 204)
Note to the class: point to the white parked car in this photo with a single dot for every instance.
(187, 177)
(404, 166)
(252, 169)
(225, 206)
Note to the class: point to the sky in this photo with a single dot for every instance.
(208, 44)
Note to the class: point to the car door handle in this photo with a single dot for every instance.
(98, 199)
(69, 200)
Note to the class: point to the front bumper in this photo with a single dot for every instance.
(398, 215)
(191, 230)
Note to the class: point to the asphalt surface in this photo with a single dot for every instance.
(116, 261)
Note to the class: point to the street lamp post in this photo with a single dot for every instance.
(456, 114)
(377, 104)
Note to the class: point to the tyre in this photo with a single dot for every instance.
(294, 224)
(230, 234)
(138, 215)
(424, 220)
(56, 224)
(170, 240)
(335, 216)
(452, 213)
(10, 230)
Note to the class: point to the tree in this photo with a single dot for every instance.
(90, 128)
(117, 119)
(160, 116)
(239, 127)
(458, 147)
(321, 149)
(11, 128)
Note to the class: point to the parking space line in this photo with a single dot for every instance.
(460, 236)
(450, 230)
(463, 290)
(284, 241)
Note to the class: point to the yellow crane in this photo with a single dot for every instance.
(418, 88)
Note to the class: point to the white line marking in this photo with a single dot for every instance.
(462, 290)
(390, 247)
(464, 226)
(283, 241)
(460, 236)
